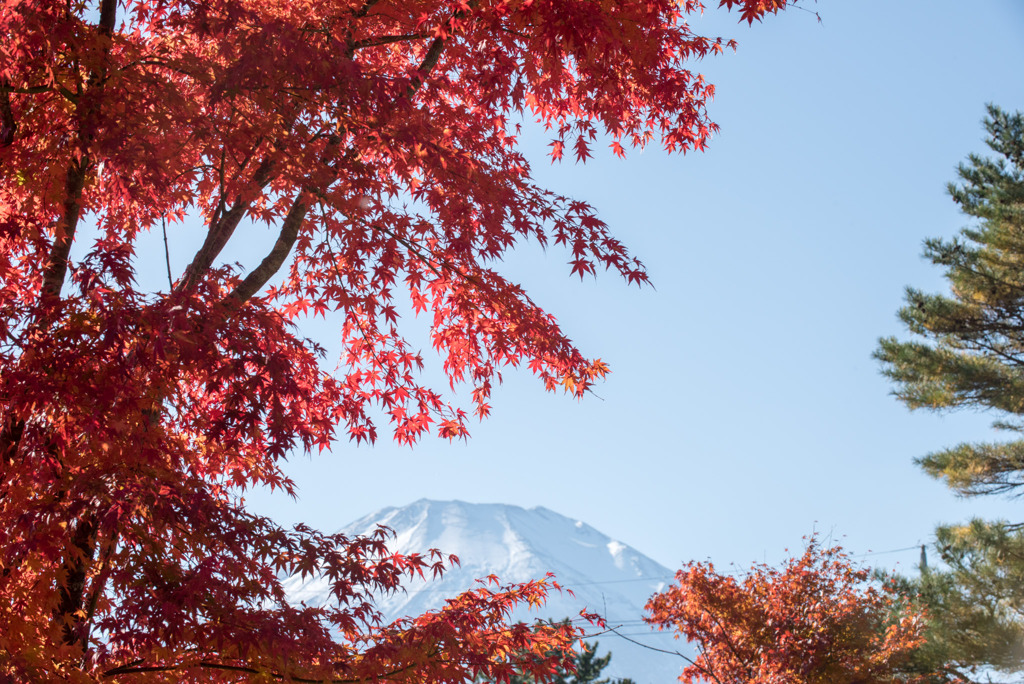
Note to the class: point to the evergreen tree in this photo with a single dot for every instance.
(588, 668)
(969, 353)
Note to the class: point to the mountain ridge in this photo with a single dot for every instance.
(601, 574)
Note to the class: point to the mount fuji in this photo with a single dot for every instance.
(516, 544)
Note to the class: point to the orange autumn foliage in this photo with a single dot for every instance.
(818, 620)
(376, 139)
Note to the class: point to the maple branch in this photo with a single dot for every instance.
(99, 583)
(154, 61)
(386, 40)
(259, 277)
(434, 54)
(416, 252)
(36, 90)
(136, 668)
(8, 126)
(728, 642)
(82, 548)
(76, 566)
(167, 254)
(426, 66)
(108, 17)
(10, 438)
(222, 227)
(5, 88)
(365, 8)
(74, 184)
(57, 261)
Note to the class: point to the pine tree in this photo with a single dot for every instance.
(587, 667)
(970, 354)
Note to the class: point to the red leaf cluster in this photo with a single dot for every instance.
(376, 139)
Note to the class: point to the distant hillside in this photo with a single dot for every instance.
(517, 545)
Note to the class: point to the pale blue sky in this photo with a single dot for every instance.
(744, 409)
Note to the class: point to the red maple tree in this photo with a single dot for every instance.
(818, 620)
(377, 139)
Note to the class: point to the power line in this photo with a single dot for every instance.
(636, 579)
(614, 630)
(915, 547)
(567, 585)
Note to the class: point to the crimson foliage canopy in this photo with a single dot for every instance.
(377, 140)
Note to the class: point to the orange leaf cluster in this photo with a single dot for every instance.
(818, 620)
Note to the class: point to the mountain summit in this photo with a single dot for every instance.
(516, 544)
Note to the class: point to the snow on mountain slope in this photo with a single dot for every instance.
(517, 545)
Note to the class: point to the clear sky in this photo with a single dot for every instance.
(744, 409)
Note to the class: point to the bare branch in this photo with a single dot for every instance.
(34, 90)
(433, 54)
(259, 277)
(167, 254)
(108, 17)
(99, 585)
(426, 66)
(365, 8)
(79, 557)
(10, 439)
(615, 631)
(8, 126)
(57, 262)
(221, 229)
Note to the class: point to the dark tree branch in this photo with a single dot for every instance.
(98, 586)
(136, 667)
(385, 40)
(108, 17)
(224, 226)
(362, 11)
(10, 438)
(57, 262)
(8, 126)
(167, 255)
(259, 277)
(432, 56)
(615, 630)
(221, 229)
(76, 565)
(81, 549)
(5, 87)
(426, 66)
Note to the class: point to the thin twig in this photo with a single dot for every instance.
(167, 252)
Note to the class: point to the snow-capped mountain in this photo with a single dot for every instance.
(516, 544)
